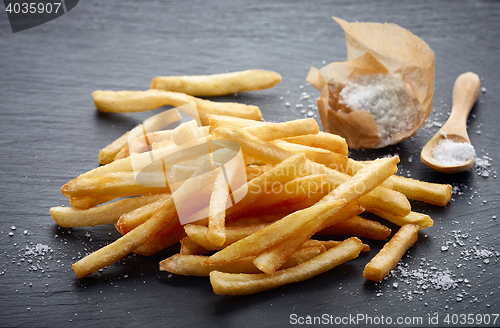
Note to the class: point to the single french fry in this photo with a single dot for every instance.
(161, 240)
(87, 202)
(218, 84)
(120, 184)
(328, 141)
(273, 131)
(139, 101)
(358, 227)
(127, 243)
(108, 153)
(128, 221)
(216, 233)
(241, 284)
(389, 256)
(127, 101)
(192, 265)
(189, 247)
(198, 234)
(328, 244)
(432, 193)
(329, 159)
(219, 199)
(104, 214)
(386, 200)
(230, 121)
(419, 219)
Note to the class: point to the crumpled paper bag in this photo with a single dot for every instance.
(374, 48)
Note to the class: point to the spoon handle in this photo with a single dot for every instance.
(465, 93)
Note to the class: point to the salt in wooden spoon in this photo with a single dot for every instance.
(465, 93)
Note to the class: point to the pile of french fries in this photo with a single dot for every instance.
(299, 184)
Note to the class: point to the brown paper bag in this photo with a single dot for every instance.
(374, 48)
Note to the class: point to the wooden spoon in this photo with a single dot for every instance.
(465, 94)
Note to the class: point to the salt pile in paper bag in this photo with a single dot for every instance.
(383, 93)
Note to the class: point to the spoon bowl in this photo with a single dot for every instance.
(426, 154)
(465, 93)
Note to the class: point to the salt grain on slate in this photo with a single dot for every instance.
(482, 165)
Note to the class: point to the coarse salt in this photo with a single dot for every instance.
(388, 100)
(450, 153)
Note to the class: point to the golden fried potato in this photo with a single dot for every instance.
(218, 84)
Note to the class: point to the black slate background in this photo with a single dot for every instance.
(50, 132)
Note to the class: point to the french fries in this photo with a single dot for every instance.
(363, 182)
(322, 140)
(218, 203)
(198, 234)
(391, 253)
(358, 227)
(419, 219)
(109, 213)
(247, 234)
(273, 257)
(273, 131)
(119, 184)
(216, 121)
(255, 147)
(140, 101)
(243, 284)
(322, 156)
(218, 84)
(127, 243)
